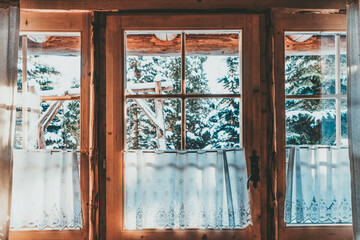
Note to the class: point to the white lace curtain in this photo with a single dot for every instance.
(46, 190)
(186, 189)
(318, 185)
(9, 41)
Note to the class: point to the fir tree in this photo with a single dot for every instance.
(311, 121)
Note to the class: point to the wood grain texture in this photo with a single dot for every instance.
(115, 25)
(175, 4)
(51, 21)
(86, 76)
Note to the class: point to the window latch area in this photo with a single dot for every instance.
(254, 170)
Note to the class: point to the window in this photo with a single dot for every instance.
(316, 123)
(184, 89)
(313, 165)
(50, 164)
(200, 110)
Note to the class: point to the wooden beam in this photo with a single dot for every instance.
(316, 45)
(58, 45)
(173, 4)
(196, 44)
(69, 97)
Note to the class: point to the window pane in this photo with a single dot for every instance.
(147, 119)
(212, 123)
(310, 63)
(344, 122)
(310, 122)
(153, 62)
(212, 62)
(53, 70)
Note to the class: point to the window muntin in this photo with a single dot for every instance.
(193, 77)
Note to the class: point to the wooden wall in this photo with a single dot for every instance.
(179, 4)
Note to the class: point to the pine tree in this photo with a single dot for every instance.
(311, 121)
(225, 119)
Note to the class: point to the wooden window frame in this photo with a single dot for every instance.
(112, 142)
(294, 23)
(37, 21)
(183, 96)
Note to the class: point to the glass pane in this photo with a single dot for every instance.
(310, 122)
(153, 62)
(53, 70)
(212, 123)
(147, 120)
(344, 122)
(309, 63)
(212, 62)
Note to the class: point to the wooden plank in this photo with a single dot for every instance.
(183, 21)
(64, 45)
(316, 45)
(173, 4)
(86, 77)
(251, 121)
(45, 235)
(60, 21)
(196, 44)
(115, 130)
(96, 127)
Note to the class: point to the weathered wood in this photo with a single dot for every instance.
(316, 45)
(196, 44)
(159, 113)
(60, 45)
(86, 77)
(149, 87)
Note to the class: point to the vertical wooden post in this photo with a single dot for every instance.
(159, 112)
(24, 91)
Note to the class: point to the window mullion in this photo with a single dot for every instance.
(337, 89)
(24, 90)
(183, 91)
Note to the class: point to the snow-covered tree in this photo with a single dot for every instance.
(312, 121)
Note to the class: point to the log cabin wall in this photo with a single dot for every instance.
(110, 5)
(97, 214)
